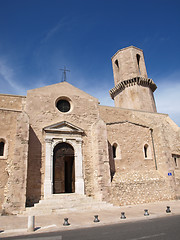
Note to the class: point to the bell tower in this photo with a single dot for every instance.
(133, 89)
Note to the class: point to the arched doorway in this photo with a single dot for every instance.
(63, 169)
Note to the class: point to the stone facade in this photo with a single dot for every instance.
(127, 154)
(14, 132)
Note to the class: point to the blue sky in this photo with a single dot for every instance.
(37, 37)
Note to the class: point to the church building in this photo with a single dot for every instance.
(59, 140)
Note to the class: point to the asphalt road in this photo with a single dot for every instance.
(167, 228)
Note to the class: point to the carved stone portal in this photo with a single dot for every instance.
(63, 165)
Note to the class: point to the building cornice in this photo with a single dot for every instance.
(147, 82)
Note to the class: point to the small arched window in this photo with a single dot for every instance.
(2, 148)
(116, 151)
(145, 150)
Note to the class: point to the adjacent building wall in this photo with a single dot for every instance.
(136, 178)
(14, 131)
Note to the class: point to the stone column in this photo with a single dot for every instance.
(79, 179)
(48, 180)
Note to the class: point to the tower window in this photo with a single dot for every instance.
(114, 150)
(176, 159)
(116, 63)
(138, 61)
(1, 148)
(145, 150)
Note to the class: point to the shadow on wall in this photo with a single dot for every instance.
(111, 161)
(33, 191)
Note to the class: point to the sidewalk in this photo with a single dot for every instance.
(17, 225)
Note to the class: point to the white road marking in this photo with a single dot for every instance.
(53, 225)
(150, 236)
(44, 238)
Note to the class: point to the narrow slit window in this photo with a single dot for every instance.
(117, 63)
(175, 161)
(138, 61)
(146, 151)
(114, 150)
(1, 149)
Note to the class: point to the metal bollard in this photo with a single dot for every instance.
(31, 223)
(96, 218)
(146, 212)
(168, 209)
(66, 223)
(123, 215)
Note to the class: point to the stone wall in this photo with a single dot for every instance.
(15, 189)
(137, 187)
(101, 168)
(145, 179)
(131, 139)
(14, 132)
(12, 102)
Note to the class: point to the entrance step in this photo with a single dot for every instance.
(59, 203)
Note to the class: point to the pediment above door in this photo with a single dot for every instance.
(63, 127)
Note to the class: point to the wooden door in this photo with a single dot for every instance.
(63, 169)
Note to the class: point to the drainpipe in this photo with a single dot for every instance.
(153, 148)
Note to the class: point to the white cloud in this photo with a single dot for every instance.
(96, 88)
(167, 96)
(7, 73)
(7, 79)
(102, 94)
(53, 30)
